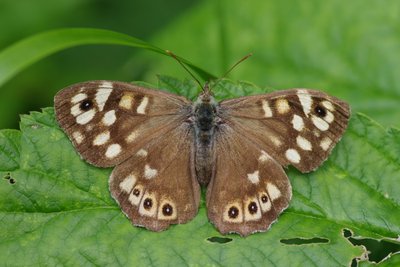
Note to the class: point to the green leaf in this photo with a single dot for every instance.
(30, 50)
(350, 49)
(59, 210)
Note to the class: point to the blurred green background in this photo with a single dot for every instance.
(349, 49)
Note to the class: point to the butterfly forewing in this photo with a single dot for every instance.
(108, 121)
(298, 127)
(156, 187)
(249, 189)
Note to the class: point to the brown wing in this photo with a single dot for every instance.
(108, 121)
(298, 126)
(157, 187)
(249, 189)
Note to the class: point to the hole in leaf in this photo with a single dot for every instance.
(220, 240)
(11, 181)
(304, 241)
(7, 176)
(378, 250)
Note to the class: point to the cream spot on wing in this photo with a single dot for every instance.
(267, 109)
(317, 133)
(141, 109)
(149, 173)
(319, 123)
(126, 101)
(264, 201)
(131, 137)
(233, 213)
(292, 155)
(329, 117)
(328, 105)
(252, 211)
(78, 137)
(78, 98)
(282, 106)
(167, 210)
(113, 151)
(109, 118)
(103, 94)
(275, 140)
(254, 177)
(325, 143)
(76, 110)
(127, 184)
(305, 101)
(136, 195)
(148, 205)
(85, 117)
(102, 138)
(264, 156)
(303, 143)
(142, 153)
(273, 191)
(298, 123)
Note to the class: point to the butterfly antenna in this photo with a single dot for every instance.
(183, 65)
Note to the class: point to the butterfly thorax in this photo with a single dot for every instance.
(205, 109)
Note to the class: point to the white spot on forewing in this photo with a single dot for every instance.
(325, 143)
(282, 106)
(239, 217)
(328, 105)
(127, 184)
(135, 200)
(102, 95)
(329, 117)
(292, 155)
(298, 123)
(78, 137)
(275, 140)
(254, 177)
(273, 191)
(141, 109)
(78, 98)
(319, 123)
(131, 137)
(102, 138)
(150, 212)
(85, 117)
(305, 101)
(109, 118)
(149, 173)
(76, 110)
(142, 153)
(113, 151)
(264, 156)
(303, 143)
(248, 216)
(126, 101)
(267, 109)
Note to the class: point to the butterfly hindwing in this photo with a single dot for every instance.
(298, 127)
(108, 121)
(249, 189)
(157, 187)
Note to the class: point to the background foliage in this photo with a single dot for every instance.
(349, 49)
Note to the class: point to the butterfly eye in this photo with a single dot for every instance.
(233, 212)
(167, 210)
(252, 207)
(321, 111)
(147, 203)
(86, 105)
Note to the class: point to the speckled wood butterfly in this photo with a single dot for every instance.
(164, 147)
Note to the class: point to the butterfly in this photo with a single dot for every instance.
(165, 147)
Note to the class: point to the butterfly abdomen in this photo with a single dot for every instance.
(204, 123)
